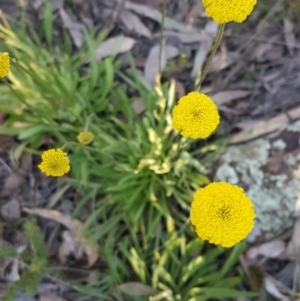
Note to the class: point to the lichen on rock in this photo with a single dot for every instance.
(267, 172)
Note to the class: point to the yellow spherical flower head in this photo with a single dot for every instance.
(85, 137)
(55, 163)
(222, 214)
(224, 11)
(195, 116)
(4, 64)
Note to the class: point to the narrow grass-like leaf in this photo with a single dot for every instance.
(48, 22)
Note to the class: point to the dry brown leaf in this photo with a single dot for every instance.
(289, 35)
(26, 161)
(272, 289)
(223, 97)
(68, 247)
(11, 184)
(75, 227)
(264, 126)
(293, 246)
(11, 211)
(222, 60)
(259, 51)
(73, 27)
(271, 249)
(134, 24)
(57, 4)
(112, 46)
(50, 298)
(287, 274)
(152, 65)
(200, 57)
(195, 12)
(155, 15)
(270, 77)
(211, 28)
(11, 270)
(274, 54)
(138, 106)
(6, 142)
(188, 37)
(180, 89)
(171, 51)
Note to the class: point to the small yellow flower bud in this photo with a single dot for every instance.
(85, 137)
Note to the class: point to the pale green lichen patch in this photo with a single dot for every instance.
(279, 145)
(267, 172)
(294, 127)
(227, 173)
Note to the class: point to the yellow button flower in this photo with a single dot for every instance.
(4, 64)
(224, 11)
(85, 137)
(222, 214)
(195, 116)
(55, 163)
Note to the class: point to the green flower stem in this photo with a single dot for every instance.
(88, 121)
(211, 56)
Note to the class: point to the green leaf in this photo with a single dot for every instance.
(138, 265)
(27, 133)
(94, 66)
(194, 245)
(233, 258)
(136, 289)
(48, 22)
(215, 292)
(7, 251)
(166, 277)
(229, 282)
(198, 264)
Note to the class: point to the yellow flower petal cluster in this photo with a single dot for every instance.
(55, 163)
(4, 64)
(224, 11)
(222, 214)
(85, 137)
(195, 116)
